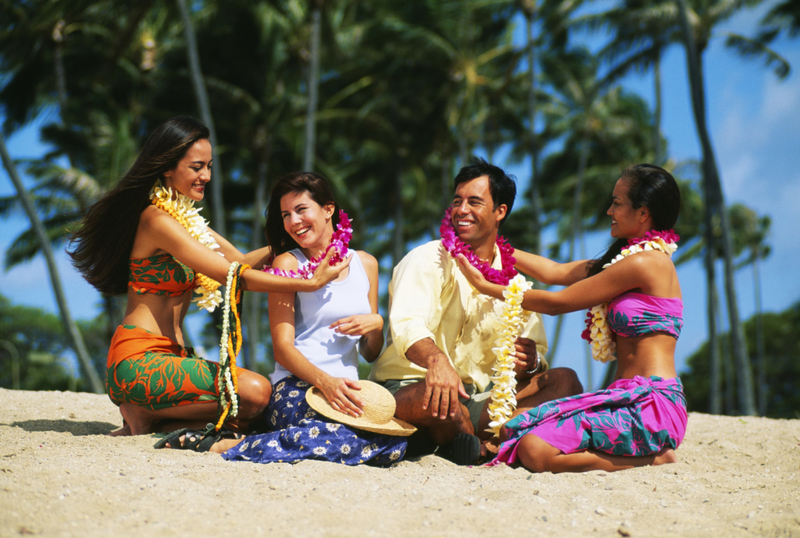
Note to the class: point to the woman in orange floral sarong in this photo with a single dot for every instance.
(128, 245)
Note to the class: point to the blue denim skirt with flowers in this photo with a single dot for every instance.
(296, 432)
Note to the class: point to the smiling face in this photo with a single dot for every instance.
(627, 222)
(193, 171)
(474, 216)
(308, 223)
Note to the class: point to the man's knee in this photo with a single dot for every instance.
(564, 381)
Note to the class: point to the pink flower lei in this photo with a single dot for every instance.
(340, 241)
(456, 246)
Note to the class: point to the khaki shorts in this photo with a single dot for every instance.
(474, 404)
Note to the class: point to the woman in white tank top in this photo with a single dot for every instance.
(317, 338)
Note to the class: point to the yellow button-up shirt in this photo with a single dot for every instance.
(429, 297)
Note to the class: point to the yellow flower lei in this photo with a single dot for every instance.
(182, 209)
(230, 344)
(514, 318)
(602, 344)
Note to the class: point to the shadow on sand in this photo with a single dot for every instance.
(76, 428)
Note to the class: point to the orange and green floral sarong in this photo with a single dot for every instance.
(155, 372)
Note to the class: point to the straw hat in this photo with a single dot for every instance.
(379, 407)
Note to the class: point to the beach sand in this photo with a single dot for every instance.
(61, 476)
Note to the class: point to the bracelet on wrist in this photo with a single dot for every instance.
(536, 367)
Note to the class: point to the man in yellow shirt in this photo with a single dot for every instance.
(439, 358)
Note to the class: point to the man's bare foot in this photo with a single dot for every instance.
(665, 456)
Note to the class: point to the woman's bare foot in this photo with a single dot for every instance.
(665, 456)
(136, 419)
(198, 441)
(123, 431)
(225, 444)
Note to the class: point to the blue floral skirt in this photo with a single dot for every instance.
(297, 432)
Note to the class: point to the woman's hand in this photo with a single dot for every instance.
(341, 393)
(358, 325)
(478, 281)
(326, 272)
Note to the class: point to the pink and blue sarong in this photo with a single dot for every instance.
(632, 417)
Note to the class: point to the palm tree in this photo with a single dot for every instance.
(217, 205)
(695, 39)
(639, 39)
(313, 86)
(750, 233)
(55, 280)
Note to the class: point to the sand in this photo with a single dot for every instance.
(61, 476)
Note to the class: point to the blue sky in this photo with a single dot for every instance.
(754, 120)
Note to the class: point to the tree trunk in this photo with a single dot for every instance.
(717, 207)
(217, 205)
(536, 203)
(253, 300)
(760, 359)
(398, 243)
(313, 89)
(715, 358)
(657, 146)
(70, 326)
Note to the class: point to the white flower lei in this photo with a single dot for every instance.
(598, 333)
(514, 318)
(182, 209)
(225, 381)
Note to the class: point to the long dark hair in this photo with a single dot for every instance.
(652, 187)
(297, 182)
(104, 241)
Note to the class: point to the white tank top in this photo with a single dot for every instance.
(331, 352)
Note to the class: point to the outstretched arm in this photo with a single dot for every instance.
(635, 272)
(549, 272)
(256, 259)
(162, 232)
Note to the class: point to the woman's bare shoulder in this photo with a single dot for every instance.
(285, 261)
(367, 259)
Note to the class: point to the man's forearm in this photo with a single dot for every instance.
(425, 353)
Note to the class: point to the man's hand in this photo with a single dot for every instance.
(526, 359)
(443, 387)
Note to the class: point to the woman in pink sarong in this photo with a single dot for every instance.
(641, 417)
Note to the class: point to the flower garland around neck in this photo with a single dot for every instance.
(456, 246)
(512, 321)
(597, 331)
(340, 241)
(182, 209)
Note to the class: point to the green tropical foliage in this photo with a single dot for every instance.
(387, 99)
(781, 346)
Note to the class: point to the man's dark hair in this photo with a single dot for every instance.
(502, 186)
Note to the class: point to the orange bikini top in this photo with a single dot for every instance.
(160, 274)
